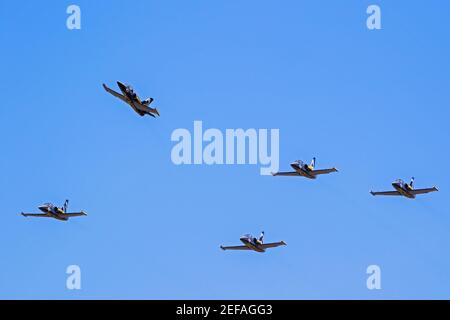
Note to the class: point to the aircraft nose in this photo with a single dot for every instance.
(121, 85)
(395, 184)
(295, 165)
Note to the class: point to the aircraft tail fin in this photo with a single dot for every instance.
(66, 205)
(147, 101)
(313, 162)
(412, 182)
(261, 237)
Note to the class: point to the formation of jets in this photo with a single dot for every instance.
(301, 169)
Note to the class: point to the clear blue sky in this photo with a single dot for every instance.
(375, 104)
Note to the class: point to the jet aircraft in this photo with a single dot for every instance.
(404, 189)
(51, 211)
(256, 244)
(304, 170)
(131, 98)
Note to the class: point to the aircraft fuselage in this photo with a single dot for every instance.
(252, 244)
(131, 96)
(304, 171)
(134, 101)
(54, 212)
(404, 189)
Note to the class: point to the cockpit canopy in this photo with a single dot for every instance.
(300, 163)
(399, 181)
(247, 236)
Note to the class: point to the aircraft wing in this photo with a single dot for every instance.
(235, 248)
(146, 109)
(386, 193)
(422, 191)
(39, 215)
(74, 214)
(286, 174)
(322, 171)
(116, 94)
(273, 244)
